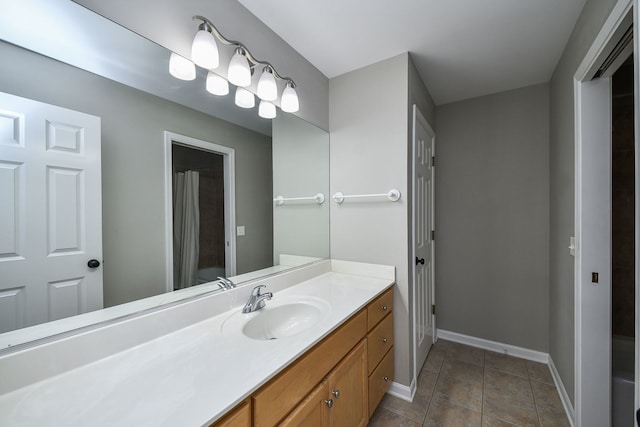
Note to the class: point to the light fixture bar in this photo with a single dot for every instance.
(253, 61)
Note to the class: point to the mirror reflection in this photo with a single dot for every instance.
(147, 121)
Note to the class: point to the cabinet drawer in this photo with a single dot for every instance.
(273, 401)
(379, 381)
(379, 308)
(379, 341)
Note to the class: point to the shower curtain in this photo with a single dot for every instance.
(186, 229)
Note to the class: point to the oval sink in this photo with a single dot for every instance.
(280, 319)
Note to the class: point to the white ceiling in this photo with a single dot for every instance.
(462, 48)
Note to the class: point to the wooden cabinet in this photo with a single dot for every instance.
(379, 348)
(379, 381)
(379, 342)
(339, 382)
(340, 400)
(240, 416)
(348, 384)
(313, 411)
(280, 395)
(379, 308)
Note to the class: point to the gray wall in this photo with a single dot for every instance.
(492, 217)
(300, 169)
(369, 137)
(133, 168)
(562, 169)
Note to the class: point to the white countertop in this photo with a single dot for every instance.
(190, 377)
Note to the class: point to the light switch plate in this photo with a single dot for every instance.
(240, 230)
(572, 245)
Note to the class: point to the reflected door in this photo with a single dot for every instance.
(50, 213)
(423, 274)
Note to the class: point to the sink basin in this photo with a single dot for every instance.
(279, 319)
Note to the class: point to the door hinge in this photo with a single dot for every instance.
(433, 234)
(433, 160)
(433, 309)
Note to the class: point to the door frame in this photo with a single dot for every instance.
(417, 115)
(592, 303)
(229, 199)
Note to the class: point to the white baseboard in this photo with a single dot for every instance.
(403, 392)
(509, 349)
(564, 397)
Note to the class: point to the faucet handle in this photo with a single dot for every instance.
(256, 291)
(226, 283)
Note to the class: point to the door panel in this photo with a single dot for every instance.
(349, 390)
(423, 151)
(50, 212)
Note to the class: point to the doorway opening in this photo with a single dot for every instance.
(200, 211)
(622, 245)
(198, 216)
(600, 213)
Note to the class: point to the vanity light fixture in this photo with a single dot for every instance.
(266, 110)
(181, 68)
(216, 84)
(244, 98)
(204, 53)
(239, 72)
(204, 50)
(289, 102)
(267, 87)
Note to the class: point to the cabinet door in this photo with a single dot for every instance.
(238, 417)
(348, 387)
(276, 399)
(313, 411)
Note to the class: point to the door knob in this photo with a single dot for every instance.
(419, 261)
(336, 393)
(93, 263)
(329, 402)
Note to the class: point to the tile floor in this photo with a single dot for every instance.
(467, 386)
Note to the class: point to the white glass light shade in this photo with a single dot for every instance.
(204, 50)
(216, 84)
(239, 70)
(267, 88)
(289, 102)
(266, 110)
(181, 68)
(244, 98)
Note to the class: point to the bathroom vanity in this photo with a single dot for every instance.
(321, 349)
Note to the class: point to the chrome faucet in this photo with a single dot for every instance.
(256, 300)
(225, 283)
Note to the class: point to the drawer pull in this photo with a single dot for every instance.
(384, 308)
(329, 402)
(385, 378)
(384, 340)
(336, 393)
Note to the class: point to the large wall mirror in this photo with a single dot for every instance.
(154, 131)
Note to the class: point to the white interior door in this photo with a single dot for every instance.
(423, 245)
(50, 213)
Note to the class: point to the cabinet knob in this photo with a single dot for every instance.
(336, 393)
(385, 378)
(384, 340)
(329, 402)
(384, 308)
